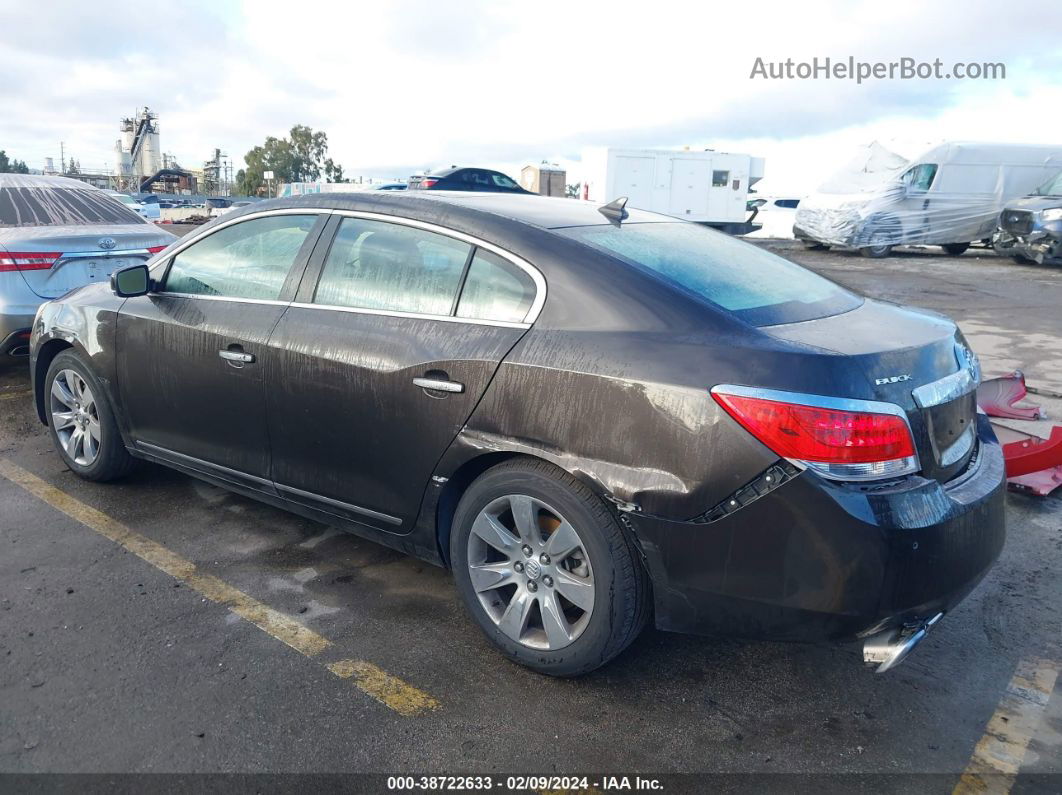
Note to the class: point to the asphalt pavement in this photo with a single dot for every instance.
(162, 625)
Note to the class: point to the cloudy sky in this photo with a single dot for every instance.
(411, 84)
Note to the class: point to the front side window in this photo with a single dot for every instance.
(920, 178)
(495, 289)
(758, 287)
(250, 259)
(392, 267)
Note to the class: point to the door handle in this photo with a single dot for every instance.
(439, 385)
(237, 356)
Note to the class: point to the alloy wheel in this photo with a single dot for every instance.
(75, 417)
(531, 572)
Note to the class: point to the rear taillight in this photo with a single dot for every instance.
(155, 249)
(428, 183)
(28, 260)
(838, 438)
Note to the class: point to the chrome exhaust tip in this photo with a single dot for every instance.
(890, 648)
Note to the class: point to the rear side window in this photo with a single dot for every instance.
(758, 287)
(250, 259)
(495, 290)
(38, 206)
(392, 267)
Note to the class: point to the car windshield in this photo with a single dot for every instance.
(758, 287)
(1053, 186)
(61, 207)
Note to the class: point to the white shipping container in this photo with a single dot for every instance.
(707, 187)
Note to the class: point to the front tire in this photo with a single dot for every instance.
(545, 569)
(81, 421)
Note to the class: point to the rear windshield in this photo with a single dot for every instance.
(758, 287)
(61, 207)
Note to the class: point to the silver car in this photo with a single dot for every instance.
(57, 234)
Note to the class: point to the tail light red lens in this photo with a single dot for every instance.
(428, 183)
(28, 260)
(842, 443)
(155, 249)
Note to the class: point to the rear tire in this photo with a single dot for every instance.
(955, 249)
(81, 421)
(578, 550)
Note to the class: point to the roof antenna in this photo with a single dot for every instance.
(615, 211)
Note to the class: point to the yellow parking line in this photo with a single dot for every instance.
(391, 691)
(998, 756)
(13, 395)
(386, 689)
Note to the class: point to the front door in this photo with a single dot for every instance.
(191, 354)
(378, 365)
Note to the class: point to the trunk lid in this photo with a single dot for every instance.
(85, 254)
(911, 358)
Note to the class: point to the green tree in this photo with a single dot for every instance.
(299, 158)
(8, 166)
(573, 191)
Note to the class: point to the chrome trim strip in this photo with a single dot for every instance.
(206, 467)
(829, 402)
(414, 315)
(960, 447)
(536, 275)
(945, 390)
(129, 252)
(309, 495)
(227, 298)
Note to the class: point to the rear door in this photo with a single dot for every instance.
(193, 355)
(379, 363)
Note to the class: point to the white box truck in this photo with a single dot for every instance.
(703, 186)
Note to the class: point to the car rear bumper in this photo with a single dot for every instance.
(816, 560)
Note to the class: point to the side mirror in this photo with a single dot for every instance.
(131, 282)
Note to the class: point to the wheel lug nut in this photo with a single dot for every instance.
(518, 566)
(544, 559)
(532, 586)
(547, 581)
(527, 550)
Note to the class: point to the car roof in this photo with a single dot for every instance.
(37, 181)
(527, 208)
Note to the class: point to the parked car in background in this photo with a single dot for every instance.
(477, 179)
(950, 197)
(152, 206)
(150, 212)
(219, 206)
(389, 186)
(774, 215)
(57, 234)
(596, 417)
(1030, 229)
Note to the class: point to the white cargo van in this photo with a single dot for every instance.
(950, 196)
(704, 186)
